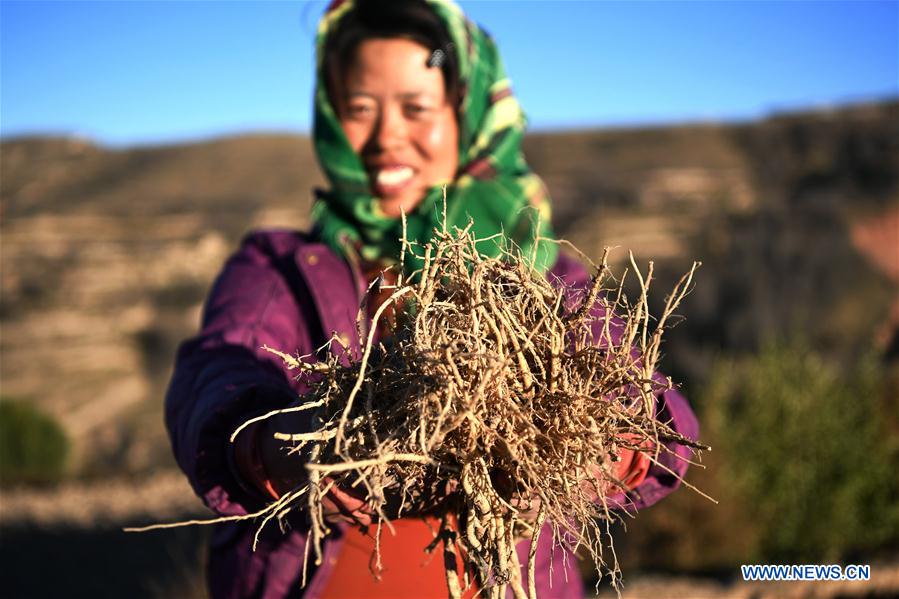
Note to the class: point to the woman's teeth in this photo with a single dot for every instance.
(394, 176)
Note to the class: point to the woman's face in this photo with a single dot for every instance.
(394, 110)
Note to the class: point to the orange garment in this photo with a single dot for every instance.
(387, 278)
(407, 571)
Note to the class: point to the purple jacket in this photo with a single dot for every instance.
(285, 290)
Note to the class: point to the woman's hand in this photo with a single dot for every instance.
(630, 470)
(343, 505)
(265, 463)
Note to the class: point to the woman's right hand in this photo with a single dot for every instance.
(283, 468)
(267, 464)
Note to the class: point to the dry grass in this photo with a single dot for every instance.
(498, 399)
(496, 402)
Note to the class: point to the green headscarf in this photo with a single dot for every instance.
(493, 187)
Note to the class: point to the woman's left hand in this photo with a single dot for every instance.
(630, 470)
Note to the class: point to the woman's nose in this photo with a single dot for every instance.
(390, 130)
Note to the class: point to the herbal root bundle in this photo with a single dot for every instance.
(497, 402)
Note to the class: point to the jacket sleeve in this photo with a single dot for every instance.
(666, 475)
(671, 407)
(223, 376)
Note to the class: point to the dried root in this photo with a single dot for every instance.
(497, 397)
(498, 402)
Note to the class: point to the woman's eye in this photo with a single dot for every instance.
(358, 111)
(417, 109)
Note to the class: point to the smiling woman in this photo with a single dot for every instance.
(410, 96)
(393, 81)
(396, 115)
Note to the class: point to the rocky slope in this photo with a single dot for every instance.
(107, 254)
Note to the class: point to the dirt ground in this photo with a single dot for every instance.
(78, 529)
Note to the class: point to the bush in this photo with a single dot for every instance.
(805, 447)
(34, 448)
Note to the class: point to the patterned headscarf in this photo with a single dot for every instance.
(494, 188)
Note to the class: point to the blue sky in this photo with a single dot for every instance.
(126, 73)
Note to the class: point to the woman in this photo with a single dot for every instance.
(410, 96)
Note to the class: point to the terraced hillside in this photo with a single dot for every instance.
(107, 254)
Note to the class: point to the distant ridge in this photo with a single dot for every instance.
(107, 254)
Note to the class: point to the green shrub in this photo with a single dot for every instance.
(33, 446)
(805, 447)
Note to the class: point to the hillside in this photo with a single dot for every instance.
(106, 257)
(107, 254)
